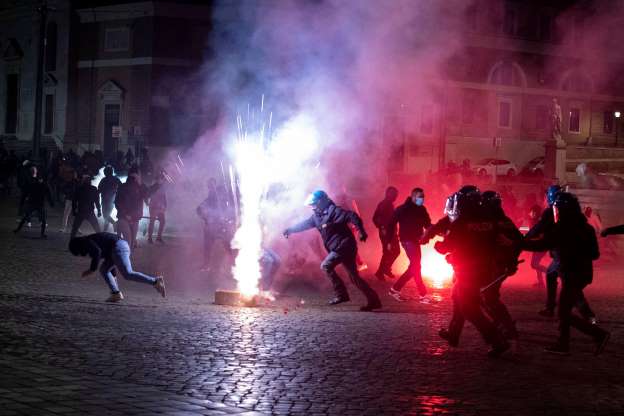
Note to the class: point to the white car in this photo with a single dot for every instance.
(487, 167)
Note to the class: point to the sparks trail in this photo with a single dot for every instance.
(249, 179)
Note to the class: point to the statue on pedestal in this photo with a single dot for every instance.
(555, 118)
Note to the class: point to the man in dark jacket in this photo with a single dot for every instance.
(34, 199)
(129, 201)
(332, 222)
(577, 247)
(86, 202)
(412, 218)
(542, 227)
(115, 256)
(389, 242)
(107, 188)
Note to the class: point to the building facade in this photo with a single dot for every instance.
(136, 66)
(19, 43)
(495, 95)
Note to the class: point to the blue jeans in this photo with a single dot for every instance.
(120, 259)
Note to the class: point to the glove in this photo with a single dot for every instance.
(363, 236)
(286, 233)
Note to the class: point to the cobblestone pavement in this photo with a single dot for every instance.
(65, 351)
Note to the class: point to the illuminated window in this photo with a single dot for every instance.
(575, 120)
(607, 126)
(504, 114)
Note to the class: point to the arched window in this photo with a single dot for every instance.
(507, 73)
(576, 80)
(50, 47)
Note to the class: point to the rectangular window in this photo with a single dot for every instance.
(426, 120)
(607, 126)
(117, 39)
(541, 117)
(504, 114)
(12, 104)
(48, 122)
(575, 120)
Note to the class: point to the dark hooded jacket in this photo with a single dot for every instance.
(332, 222)
(86, 200)
(130, 198)
(98, 246)
(412, 219)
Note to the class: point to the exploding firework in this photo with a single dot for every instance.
(263, 158)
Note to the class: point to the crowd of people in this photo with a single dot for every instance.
(477, 235)
(482, 244)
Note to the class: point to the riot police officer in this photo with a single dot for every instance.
(332, 222)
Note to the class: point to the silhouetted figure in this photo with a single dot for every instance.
(389, 241)
(575, 242)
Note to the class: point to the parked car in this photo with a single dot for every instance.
(488, 166)
(535, 167)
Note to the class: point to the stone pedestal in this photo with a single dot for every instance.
(555, 161)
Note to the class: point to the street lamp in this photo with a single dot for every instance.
(617, 115)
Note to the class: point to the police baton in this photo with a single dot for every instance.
(499, 279)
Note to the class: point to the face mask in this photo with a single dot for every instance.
(418, 201)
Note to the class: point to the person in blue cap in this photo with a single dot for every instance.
(332, 222)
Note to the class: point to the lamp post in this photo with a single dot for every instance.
(617, 115)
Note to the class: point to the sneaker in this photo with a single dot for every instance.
(160, 285)
(452, 340)
(115, 297)
(547, 312)
(380, 276)
(593, 320)
(397, 295)
(339, 299)
(601, 342)
(371, 306)
(558, 348)
(498, 349)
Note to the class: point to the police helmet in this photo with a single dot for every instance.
(316, 198)
(566, 206)
(552, 192)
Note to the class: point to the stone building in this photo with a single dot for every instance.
(136, 65)
(498, 87)
(19, 42)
